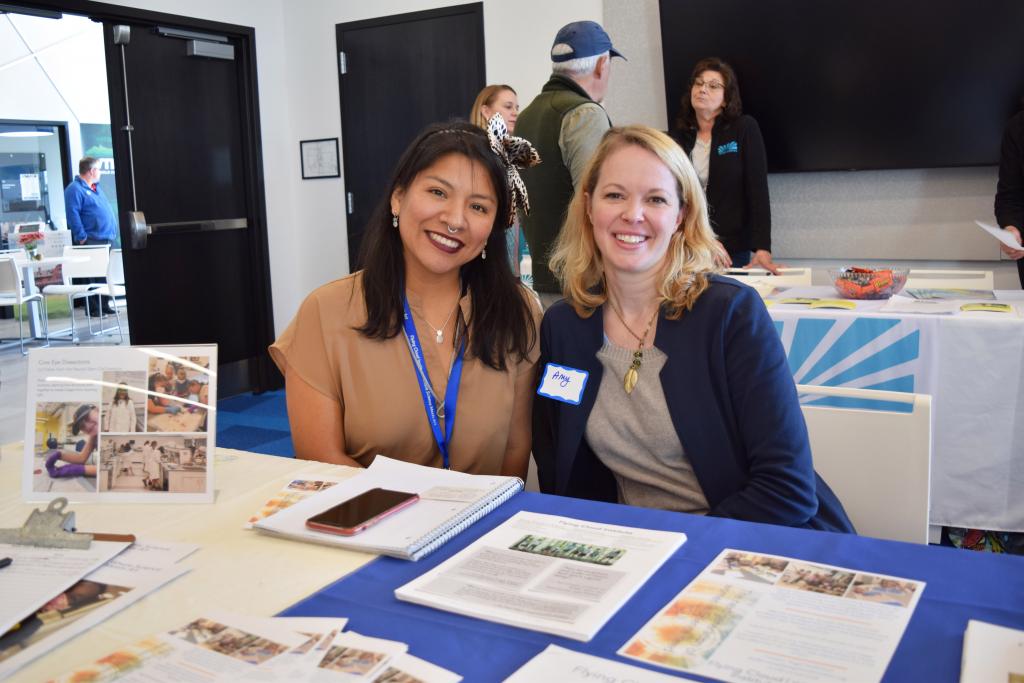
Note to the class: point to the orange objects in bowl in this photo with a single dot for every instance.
(868, 283)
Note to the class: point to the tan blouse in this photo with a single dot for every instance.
(375, 384)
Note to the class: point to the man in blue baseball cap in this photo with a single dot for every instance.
(565, 122)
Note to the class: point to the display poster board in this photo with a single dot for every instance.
(132, 424)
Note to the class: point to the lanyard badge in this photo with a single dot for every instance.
(435, 412)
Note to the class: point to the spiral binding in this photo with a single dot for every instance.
(438, 537)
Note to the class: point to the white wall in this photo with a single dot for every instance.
(518, 38)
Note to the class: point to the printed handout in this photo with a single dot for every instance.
(756, 617)
(36, 575)
(1003, 236)
(217, 647)
(351, 656)
(124, 580)
(546, 573)
(568, 666)
(292, 493)
(992, 653)
(132, 424)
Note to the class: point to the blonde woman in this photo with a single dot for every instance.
(496, 99)
(502, 100)
(688, 402)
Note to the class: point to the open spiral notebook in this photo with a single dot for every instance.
(449, 503)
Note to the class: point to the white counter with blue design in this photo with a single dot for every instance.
(972, 364)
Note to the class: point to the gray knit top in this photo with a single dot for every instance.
(633, 435)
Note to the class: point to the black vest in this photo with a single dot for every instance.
(549, 184)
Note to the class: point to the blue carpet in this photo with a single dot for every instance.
(257, 423)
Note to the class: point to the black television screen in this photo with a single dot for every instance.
(849, 84)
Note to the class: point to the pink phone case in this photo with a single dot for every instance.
(353, 530)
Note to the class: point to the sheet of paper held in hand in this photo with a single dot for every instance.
(546, 573)
(35, 575)
(121, 582)
(121, 424)
(568, 666)
(1002, 235)
(755, 617)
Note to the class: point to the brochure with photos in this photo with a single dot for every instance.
(755, 617)
(546, 573)
(129, 424)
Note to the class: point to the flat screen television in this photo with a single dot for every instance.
(859, 84)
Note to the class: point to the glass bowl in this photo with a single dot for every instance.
(867, 283)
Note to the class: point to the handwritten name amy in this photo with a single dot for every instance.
(560, 377)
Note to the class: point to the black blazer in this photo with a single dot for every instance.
(737, 189)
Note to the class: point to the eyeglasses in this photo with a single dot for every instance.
(711, 85)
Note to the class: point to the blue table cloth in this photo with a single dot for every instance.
(961, 585)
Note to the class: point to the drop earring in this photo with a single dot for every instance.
(483, 254)
(394, 220)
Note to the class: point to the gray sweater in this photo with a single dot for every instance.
(633, 435)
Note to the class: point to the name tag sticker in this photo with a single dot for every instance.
(563, 384)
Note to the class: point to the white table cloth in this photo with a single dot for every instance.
(972, 364)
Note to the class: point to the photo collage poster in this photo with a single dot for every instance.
(130, 424)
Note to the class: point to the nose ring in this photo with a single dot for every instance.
(451, 230)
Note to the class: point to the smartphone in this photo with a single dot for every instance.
(356, 514)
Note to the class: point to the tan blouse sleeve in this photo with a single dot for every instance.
(302, 349)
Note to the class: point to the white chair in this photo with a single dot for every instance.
(89, 261)
(787, 277)
(115, 289)
(877, 461)
(12, 293)
(949, 279)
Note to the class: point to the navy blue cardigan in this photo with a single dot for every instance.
(732, 401)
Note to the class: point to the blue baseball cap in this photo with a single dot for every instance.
(586, 38)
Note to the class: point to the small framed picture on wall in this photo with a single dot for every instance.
(319, 158)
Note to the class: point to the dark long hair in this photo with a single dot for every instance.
(501, 323)
(732, 106)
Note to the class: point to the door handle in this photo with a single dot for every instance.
(199, 226)
(138, 231)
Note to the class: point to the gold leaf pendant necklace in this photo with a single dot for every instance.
(633, 373)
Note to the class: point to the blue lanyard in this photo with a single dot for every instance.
(427, 393)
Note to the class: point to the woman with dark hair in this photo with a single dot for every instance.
(427, 354)
(727, 151)
(121, 415)
(81, 461)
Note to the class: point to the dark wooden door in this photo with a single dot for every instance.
(191, 165)
(401, 73)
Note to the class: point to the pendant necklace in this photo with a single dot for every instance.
(439, 331)
(633, 373)
(438, 401)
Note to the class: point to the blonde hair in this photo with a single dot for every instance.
(486, 97)
(576, 260)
